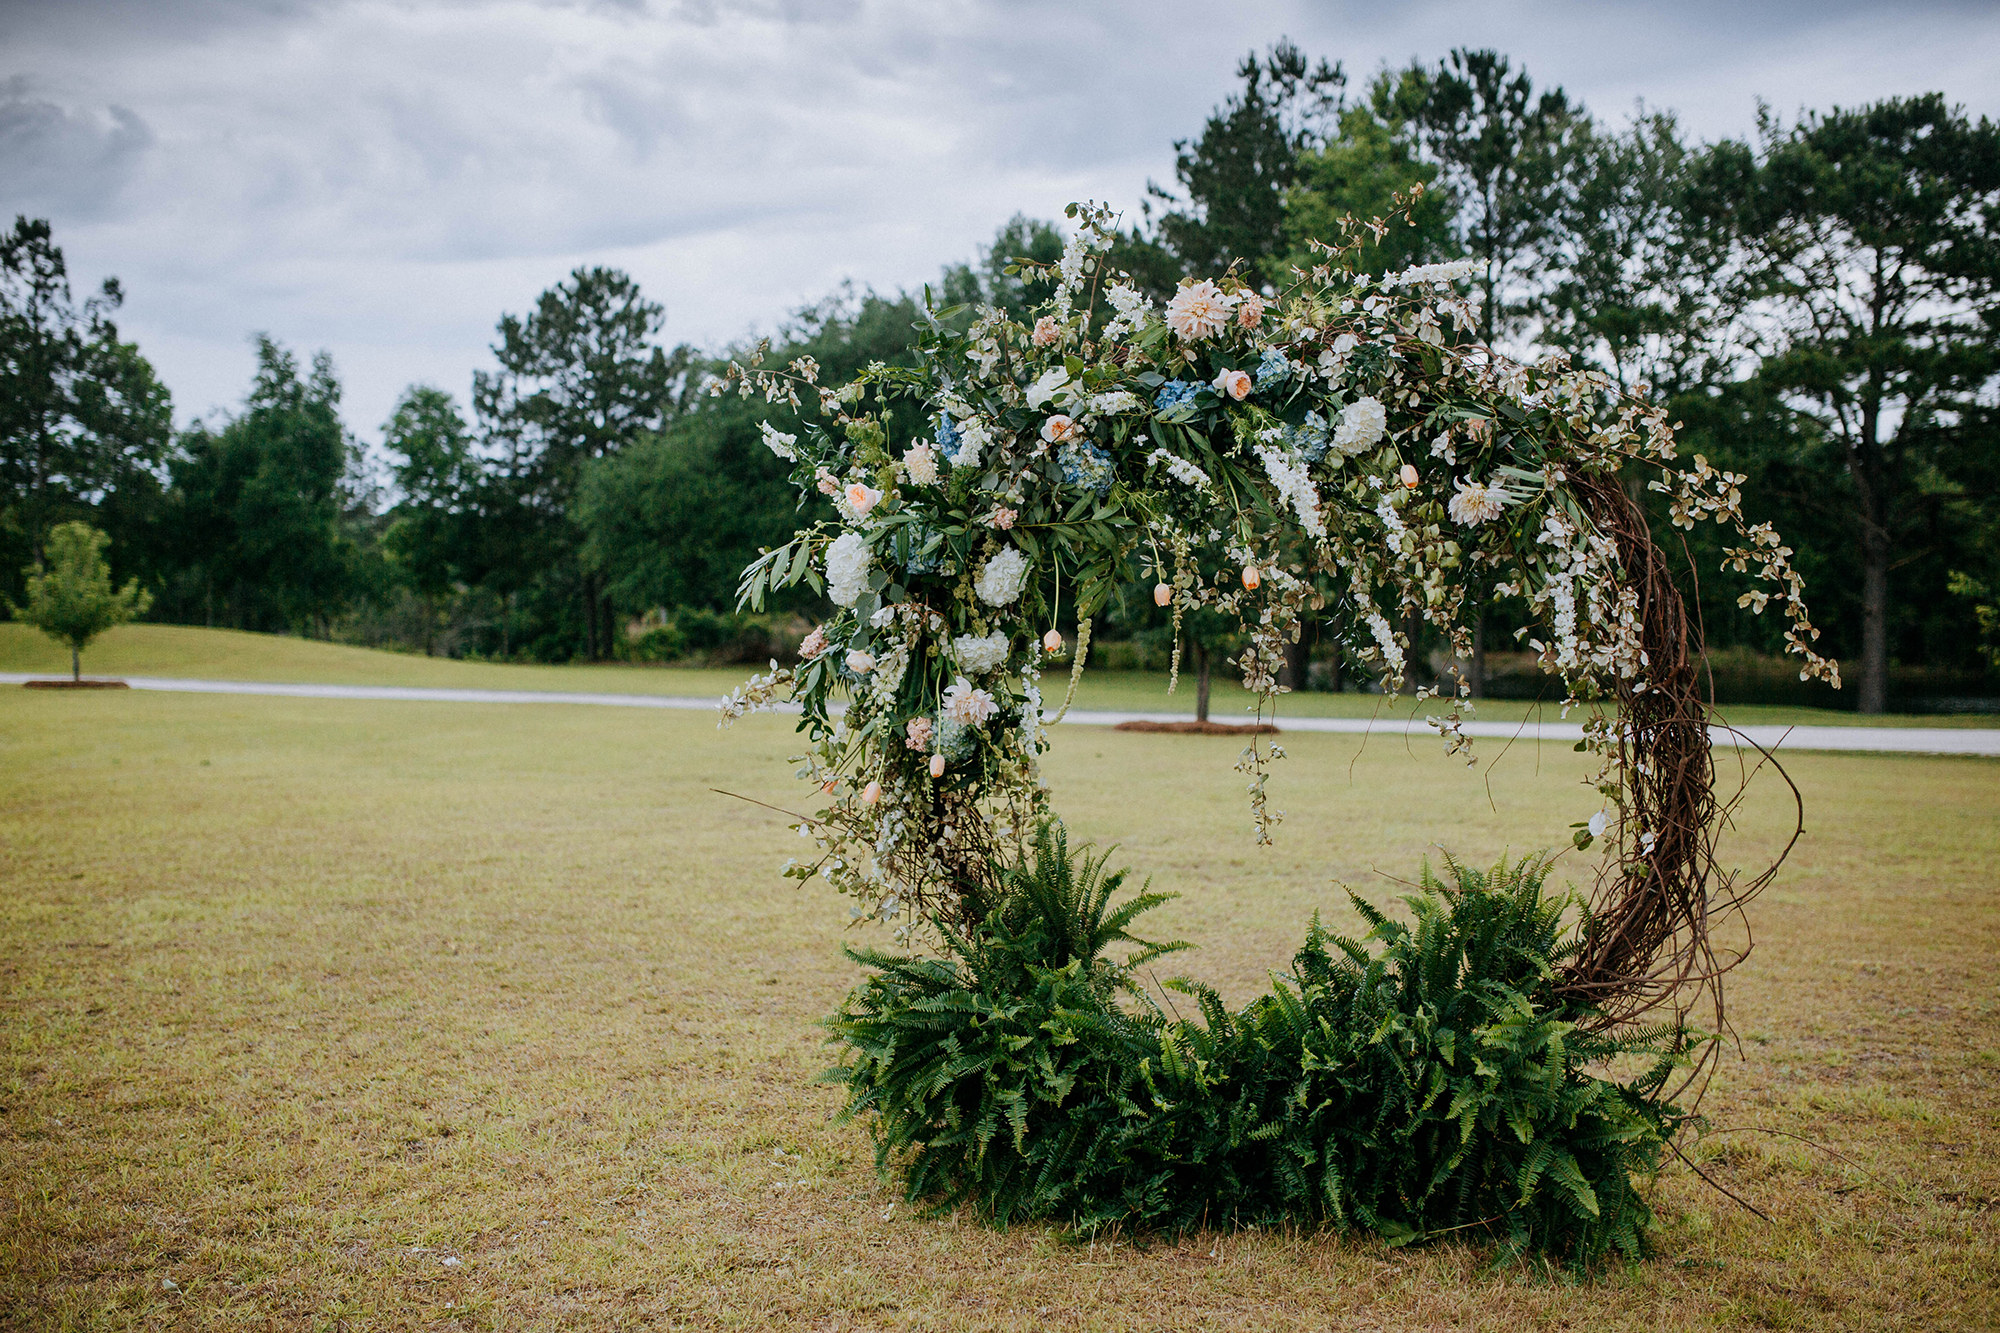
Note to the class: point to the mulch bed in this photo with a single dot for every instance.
(1202, 728)
(74, 685)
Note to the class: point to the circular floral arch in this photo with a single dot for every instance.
(1340, 448)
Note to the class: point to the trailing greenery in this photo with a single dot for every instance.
(1424, 1080)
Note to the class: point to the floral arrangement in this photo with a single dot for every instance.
(1342, 446)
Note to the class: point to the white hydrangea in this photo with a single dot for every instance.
(1116, 403)
(979, 654)
(780, 443)
(1001, 578)
(847, 564)
(1362, 426)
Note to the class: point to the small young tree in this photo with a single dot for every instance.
(70, 597)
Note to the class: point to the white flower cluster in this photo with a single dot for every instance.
(1455, 270)
(1001, 578)
(780, 443)
(1385, 639)
(1091, 236)
(888, 677)
(975, 436)
(1134, 310)
(921, 465)
(1362, 424)
(1180, 469)
(1031, 708)
(1288, 475)
(1052, 386)
(979, 654)
(1116, 403)
(847, 563)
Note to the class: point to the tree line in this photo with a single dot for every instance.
(1818, 305)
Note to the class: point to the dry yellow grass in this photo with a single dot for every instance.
(301, 999)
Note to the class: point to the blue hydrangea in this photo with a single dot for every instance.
(1173, 394)
(1272, 367)
(920, 563)
(1087, 467)
(956, 741)
(1310, 438)
(946, 435)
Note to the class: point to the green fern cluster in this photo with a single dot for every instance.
(1426, 1079)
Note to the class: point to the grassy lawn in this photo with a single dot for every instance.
(175, 650)
(303, 1000)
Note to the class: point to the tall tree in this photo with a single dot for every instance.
(258, 505)
(580, 378)
(1639, 255)
(83, 420)
(431, 533)
(1233, 178)
(1874, 267)
(1358, 171)
(1505, 152)
(674, 519)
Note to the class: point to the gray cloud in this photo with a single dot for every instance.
(58, 159)
(384, 178)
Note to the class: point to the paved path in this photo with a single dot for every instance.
(1892, 740)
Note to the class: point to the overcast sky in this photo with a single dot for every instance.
(384, 179)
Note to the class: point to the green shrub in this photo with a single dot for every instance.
(1427, 1079)
(716, 637)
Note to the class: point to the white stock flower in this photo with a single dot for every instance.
(1133, 310)
(779, 442)
(979, 654)
(968, 706)
(847, 562)
(974, 435)
(1000, 579)
(1180, 469)
(1453, 271)
(1288, 476)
